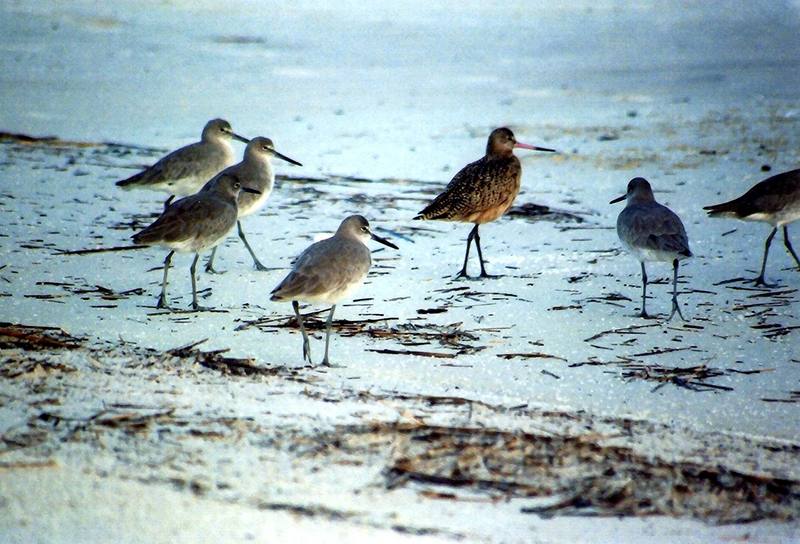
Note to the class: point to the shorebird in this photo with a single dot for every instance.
(652, 232)
(483, 190)
(255, 171)
(193, 224)
(776, 201)
(329, 271)
(185, 170)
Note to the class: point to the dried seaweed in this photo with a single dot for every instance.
(36, 338)
(573, 475)
(539, 212)
(215, 360)
(688, 377)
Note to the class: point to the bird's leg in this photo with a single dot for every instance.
(788, 244)
(210, 263)
(325, 360)
(463, 272)
(162, 298)
(480, 255)
(644, 291)
(192, 270)
(675, 307)
(306, 345)
(168, 201)
(260, 267)
(760, 279)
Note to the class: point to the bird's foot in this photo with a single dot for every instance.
(675, 310)
(162, 303)
(211, 270)
(761, 282)
(260, 267)
(462, 274)
(326, 362)
(307, 353)
(490, 276)
(644, 315)
(197, 308)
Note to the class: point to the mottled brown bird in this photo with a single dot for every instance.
(776, 201)
(483, 190)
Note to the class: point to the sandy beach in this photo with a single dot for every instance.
(533, 408)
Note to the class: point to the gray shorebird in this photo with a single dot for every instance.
(329, 271)
(185, 170)
(193, 224)
(255, 171)
(483, 190)
(776, 201)
(652, 232)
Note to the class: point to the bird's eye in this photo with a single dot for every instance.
(237, 185)
(364, 229)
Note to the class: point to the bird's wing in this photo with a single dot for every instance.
(187, 219)
(657, 228)
(480, 185)
(325, 266)
(181, 163)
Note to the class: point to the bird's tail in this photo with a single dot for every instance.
(726, 209)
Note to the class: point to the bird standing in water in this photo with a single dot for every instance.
(184, 171)
(776, 201)
(482, 191)
(255, 171)
(329, 271)
(194, 224)
(652, 232)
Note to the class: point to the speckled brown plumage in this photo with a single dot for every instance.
(482, 191)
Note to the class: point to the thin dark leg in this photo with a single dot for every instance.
(326, 361)
(788, 245)
(210, 263)
(480, 255)
(463, 273)
(162, 298)
(306, 345)
(644, 291)
(675, 307)
(760, 279)
(256, 262)
(192, 271)
(168, 201)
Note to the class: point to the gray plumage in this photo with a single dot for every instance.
(185, 170)
(254, 171)
(329, 271)
(776, 201)
(193, 224)
(651, 232)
